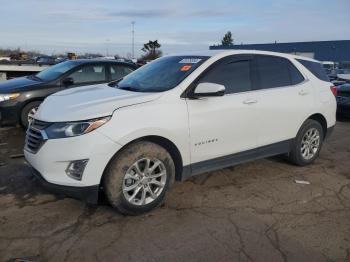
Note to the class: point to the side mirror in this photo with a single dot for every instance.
(68, 81)
(209, 89)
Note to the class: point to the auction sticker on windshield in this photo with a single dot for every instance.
(185, 68)
(190, 61)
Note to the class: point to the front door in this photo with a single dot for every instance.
(224, 125)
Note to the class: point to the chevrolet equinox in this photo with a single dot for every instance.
(177, 117)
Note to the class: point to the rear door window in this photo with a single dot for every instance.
(232, 72)
(119, 71)
(273, 71)
(315, 68)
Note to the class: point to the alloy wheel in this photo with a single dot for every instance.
(144, 181)
(31, 114)
(310, 143)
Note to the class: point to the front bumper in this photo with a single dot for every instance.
(54, 156)
(9, 113)
(89, 194)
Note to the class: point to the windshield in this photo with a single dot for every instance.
(161, 75)
(55, 71)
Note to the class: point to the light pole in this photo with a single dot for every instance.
(107, 51)
(133, 39)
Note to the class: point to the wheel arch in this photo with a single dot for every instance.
(161, 141)
(34, 99)
(27, 102)
(322, 120)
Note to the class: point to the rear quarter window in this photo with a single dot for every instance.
(315, 68)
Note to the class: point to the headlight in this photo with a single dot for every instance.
(69, 129)
(5, 97)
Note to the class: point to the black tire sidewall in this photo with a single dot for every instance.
(26, 109)
(115, 172)
(297, 145)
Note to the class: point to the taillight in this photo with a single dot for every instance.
(334, 90)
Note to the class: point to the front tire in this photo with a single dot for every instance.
(138, 177)
(28, 112)
(307, 144)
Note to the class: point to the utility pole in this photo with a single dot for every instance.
(133, 39)
(107, 51)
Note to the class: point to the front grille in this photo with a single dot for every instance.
(35, 137)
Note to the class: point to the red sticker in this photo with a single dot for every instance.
(185, 68)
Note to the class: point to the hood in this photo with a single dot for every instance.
(88, 102)
(18, 85)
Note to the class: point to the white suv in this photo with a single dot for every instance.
(179, 116)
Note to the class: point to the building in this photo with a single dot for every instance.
(338, 50)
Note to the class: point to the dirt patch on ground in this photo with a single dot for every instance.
(251, 212)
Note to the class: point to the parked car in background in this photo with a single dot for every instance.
(5, 59)
(46, 60)
(330, 69)
(21, 97)
(328, 66)
(19, 56)
(344, 65)
(343, 100)
(176, 117)
(72, 56)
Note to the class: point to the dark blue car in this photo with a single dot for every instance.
(21, 97)
(343, 100)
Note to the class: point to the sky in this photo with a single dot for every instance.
(104, 26)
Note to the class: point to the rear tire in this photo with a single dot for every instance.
(307, 144)
(28, 111)
(137, 178)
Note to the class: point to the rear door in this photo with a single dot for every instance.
(284, 95)
(224, 125)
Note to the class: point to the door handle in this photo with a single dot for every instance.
(303, 92)
(250, 101)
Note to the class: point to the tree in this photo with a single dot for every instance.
(152, 50)
(227, 39)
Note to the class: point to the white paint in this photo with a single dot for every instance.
(217, 125)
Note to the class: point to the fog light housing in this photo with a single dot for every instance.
(76, 168)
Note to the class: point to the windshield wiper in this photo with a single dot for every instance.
(114, 83)
(128, 88)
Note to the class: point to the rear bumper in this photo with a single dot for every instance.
(89, 194)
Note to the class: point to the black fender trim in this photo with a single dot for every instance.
(329, 132)
(237, 158)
